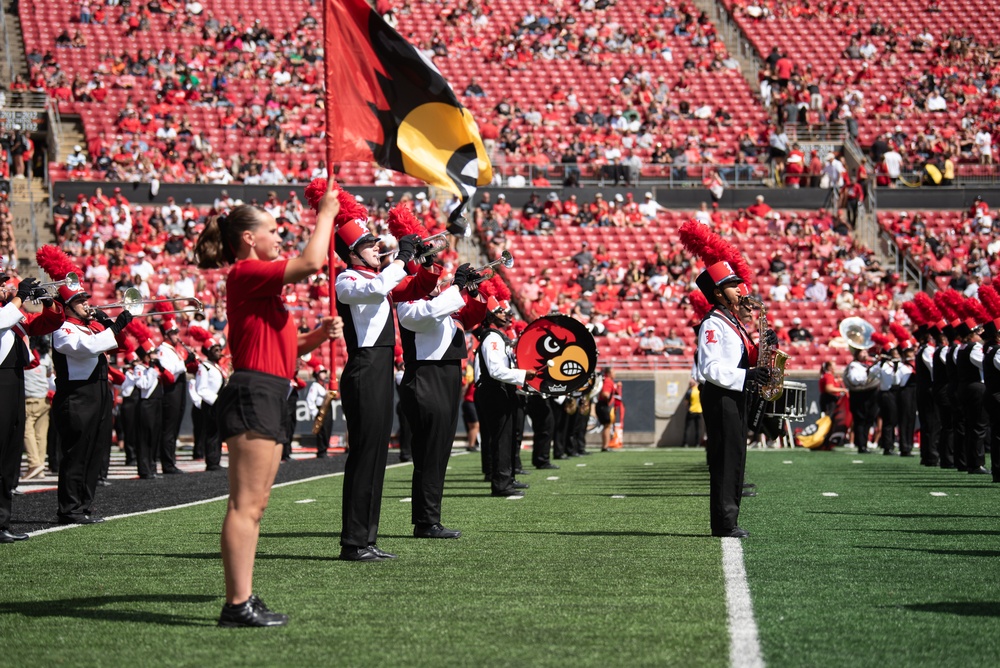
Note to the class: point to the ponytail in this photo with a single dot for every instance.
(221, 239)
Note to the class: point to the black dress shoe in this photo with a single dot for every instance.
(382, 554)
(749, 485)
(173, 471)
(947, 466)
(81, 519)
(104, 482)
(547, 467)
(889, 453)
(735, 533)
(748, 492)
(520, 472)
(510, 491)
(214, 467)
(250, 613)
(320, 455)
(8, 536)
(978, 471)
(584, 452)
(905, 454)
(516, 484)
(351, 553)
(562, 457)
(149, 476)
(434, 531)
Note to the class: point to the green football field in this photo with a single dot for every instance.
(607, 564)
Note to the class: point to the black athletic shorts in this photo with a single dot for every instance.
(469, 414)
(254, 401)
(603, 413)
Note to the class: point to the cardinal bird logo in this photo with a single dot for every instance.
(560, 350)
(386, 102)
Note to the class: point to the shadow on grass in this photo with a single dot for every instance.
(215, 556)
(963, 608)
(903, 516)
(941, 532)
(992, 554)
(613, 534)
(97, 608)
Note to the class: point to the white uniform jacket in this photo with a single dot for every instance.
(720, 349)
(431, 322)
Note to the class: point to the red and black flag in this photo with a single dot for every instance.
(385, 102)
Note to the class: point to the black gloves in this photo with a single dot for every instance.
(407, 248)
(26, 288)
(758, 376)
(424, 250)
(472, 291)
(771, 338)
(462, 275)
(190, 359)
(121, 322)
(103, 318)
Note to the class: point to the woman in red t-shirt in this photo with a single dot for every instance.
(265, 346)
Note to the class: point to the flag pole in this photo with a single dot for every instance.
(334, 385)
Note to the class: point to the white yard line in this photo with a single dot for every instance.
(744, 647)
(63, 527)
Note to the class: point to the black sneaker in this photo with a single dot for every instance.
(250, 613)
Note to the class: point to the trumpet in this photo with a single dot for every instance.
(506, 259)
(72, 281)
(438, 242)
(134, 304)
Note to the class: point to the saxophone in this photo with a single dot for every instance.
(767, 355)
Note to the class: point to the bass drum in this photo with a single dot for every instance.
(560, 350)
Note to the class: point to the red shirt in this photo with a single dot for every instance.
(262, 334)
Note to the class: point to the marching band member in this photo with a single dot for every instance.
(969, 364)
(315, 398)
(129, 407)
(365, 293)
(197, 418)
(906, 397)
(942, 397)
(930, 424)
(83, 401)
(149, 412)
(496, 381)
(432, 332)
(727, 360)
(862, 382)
(991, 380)
(173, 358)
(265, 346)
(209, 380)
(15, 327)
(888, 389)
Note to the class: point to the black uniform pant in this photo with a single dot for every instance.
(197, 416)
(958, 427)
(324, 434)
(692, 429)
(12, 419)
(726, 428)
(405, 435)
(149, 429)
(542, 424)
(888, 410)
(497, 406)
(520, 413)
(864, 411)
(991, 404)
(366, 390)
(430, 394)
(906, 412)
(174, 403)
(560, 420)
(210, 435)
(946, 426)
(976, 425)
(930, 426)
(128, 415)
(83, 414)
(577, 434)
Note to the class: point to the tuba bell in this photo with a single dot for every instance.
(857, 332)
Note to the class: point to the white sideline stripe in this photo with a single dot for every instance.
(744, 647)
(64, 527)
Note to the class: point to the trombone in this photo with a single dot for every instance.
(72, 281)
(506, 259)
(133, 302)
(438, 242)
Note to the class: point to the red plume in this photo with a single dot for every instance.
(139, 330)
(899, 331)
(990, 298)
(712, 248)
(932, 313)
(401, 222)
(950, 302)
(162, 307)
(973, 308)
(350, 208)
(128, 345)
(495, 287)
(315, 192)
(914, 313)
(882, 340)
(56, 263)
(198, 334)
(700, 304)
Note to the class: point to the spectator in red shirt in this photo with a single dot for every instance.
(759, 208)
